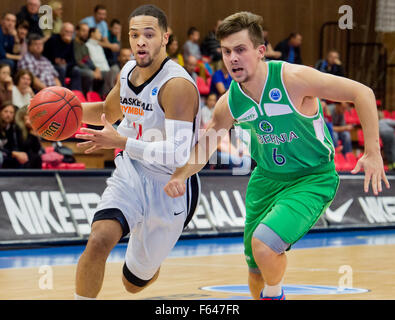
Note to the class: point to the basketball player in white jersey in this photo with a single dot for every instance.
(159, 104)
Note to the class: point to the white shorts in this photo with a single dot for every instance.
(154, 219)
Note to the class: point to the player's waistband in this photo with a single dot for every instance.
(155, 175)
(288, 176)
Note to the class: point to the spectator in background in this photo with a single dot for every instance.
(270, 52)
(114, 37)
(98, 57)
(327, 117)
(191, 46)
(172, 50)
(208, 109)
(7, 40)
(124, 56)
(20, 46)
(331, 64)
(30, 142)
(341, 130)
(190, 66)
(89, 72)
(210, 46)
(45, 75)
(290, 48)
(29, 13)
(57, 22)
(59, 50)
(221, 81)
(5, 83)
(98, 20)
(22, 91)
(11, 139)
(387, 135)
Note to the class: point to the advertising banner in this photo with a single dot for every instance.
(60, 206)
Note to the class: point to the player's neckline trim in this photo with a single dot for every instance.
(138, 89)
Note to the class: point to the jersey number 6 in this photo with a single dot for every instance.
(278, 158)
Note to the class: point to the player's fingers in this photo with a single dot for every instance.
(92, 149)
(85, 136)
(84, 144)
(88, 130)
(374, 183)
(357, 168)
(368, 176)
(180, 189)
(384, 176)
(172, 191)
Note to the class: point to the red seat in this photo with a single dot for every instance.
(361, 139)
(387, 114)
(393, 115)
(79, 95)
(93, 96)
(354, 116)
(351, 161)
(340, 162)
(348, 117)
(203, 86)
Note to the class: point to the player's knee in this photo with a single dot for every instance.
(131, 288)
(99, 244)
(134, 284)
(267, 243)
(262, 249)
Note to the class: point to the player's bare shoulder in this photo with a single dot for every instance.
(179, 98)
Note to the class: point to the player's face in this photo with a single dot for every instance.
(240, 56)
(146, 39)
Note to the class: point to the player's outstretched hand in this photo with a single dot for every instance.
(107, 138)
(373, 166)
(175, 187)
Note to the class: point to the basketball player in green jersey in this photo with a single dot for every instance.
(295, 179)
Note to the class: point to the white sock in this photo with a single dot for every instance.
(272, 291)
(77, 297)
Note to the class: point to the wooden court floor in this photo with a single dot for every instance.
(373, 268)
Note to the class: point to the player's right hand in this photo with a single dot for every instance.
(175, 187)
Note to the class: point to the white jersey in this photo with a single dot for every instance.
(144, 118)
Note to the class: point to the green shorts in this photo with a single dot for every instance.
(289, 206)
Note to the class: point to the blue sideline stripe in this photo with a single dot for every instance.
(69, 255)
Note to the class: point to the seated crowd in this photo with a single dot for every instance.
(87, 57)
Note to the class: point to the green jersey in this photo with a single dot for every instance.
(283, 141)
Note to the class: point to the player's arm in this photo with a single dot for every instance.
(313, 83)
(92, 111)
(180, 101)
(217, 128)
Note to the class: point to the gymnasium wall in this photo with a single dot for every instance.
(280, 16)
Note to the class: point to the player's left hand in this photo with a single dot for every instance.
(107, 138)
(373, 166)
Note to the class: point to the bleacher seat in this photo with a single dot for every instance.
(79, 95)
(351, 117)
(340, 162)
(361, 140)
(93, 96)
(203, 86)
(387, 114)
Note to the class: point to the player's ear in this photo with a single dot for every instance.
(262, 49)
(165, 40)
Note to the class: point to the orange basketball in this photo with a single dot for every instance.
(55, 113)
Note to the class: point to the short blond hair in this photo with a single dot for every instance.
(242, 21)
